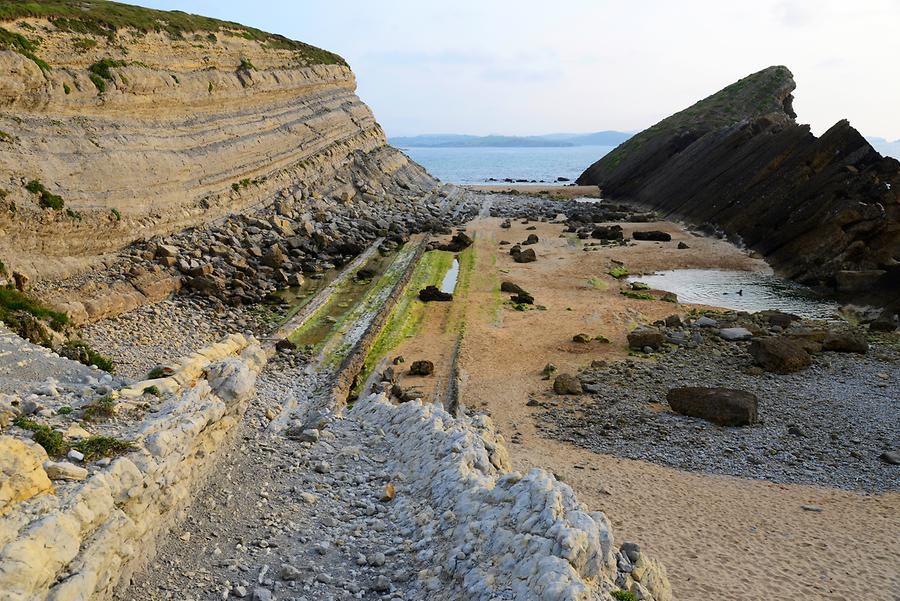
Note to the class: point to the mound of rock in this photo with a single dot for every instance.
(722, 406)
(824, 210)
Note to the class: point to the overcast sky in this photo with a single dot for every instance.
(531, 67)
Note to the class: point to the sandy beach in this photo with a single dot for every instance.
(719, 536)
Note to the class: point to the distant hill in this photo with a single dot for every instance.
(600, 138)
(885, 147)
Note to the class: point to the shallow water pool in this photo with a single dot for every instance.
(749, 291)
(448, 284)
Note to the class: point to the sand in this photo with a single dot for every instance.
(720, 537)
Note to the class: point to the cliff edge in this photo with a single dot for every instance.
(822, 210)
(120, 123)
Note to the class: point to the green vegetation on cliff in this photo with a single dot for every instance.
(765, 92)
(19, 43)
(103, 18)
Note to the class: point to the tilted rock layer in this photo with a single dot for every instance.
(824, 211)
(148, 132)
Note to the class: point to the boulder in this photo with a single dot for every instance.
(421, 367)
(779, 355)
(646, 336)
(523, 298)
(581, 338)
(778, 318)
(652, 235)
(531, 239)
(567, 384)
(612, 232)
(683, 246)
(458, 243)
(886, 322)
(845, 341)
(63, 470)
(433, 293)
(525, 256)
(735, 334)
(22, 474)
(511, 288)
(722, 406)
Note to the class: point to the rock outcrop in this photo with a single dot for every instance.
(120, 123)
(824, 211)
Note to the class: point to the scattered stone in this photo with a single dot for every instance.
(722, 406)
(812, 508)
(423, 367)
(458, 243)
(646, 336)
(890, 457)
(433, 293)
(846, 341)
(567, 384)
(388, 494)
(735, 334)
(531, 239)
(525, 256)
(779, 355)
(63, 470)
(683, 246)
(582, 338)
(652, 235)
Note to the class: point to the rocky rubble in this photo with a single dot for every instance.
(829, 423)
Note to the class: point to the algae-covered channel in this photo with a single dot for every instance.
(319, 328)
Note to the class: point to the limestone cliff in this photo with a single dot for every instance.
(119, 123)
(825, 211)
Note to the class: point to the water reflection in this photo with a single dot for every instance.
(741, 290)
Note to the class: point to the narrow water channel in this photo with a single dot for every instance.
(319, 328)
(448, 284)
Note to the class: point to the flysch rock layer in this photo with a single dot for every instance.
(503, 534)
(824, 211)
(82, 540)
(182, 135)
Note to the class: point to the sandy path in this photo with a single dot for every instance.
(720, 537)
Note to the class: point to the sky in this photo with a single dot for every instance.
(520, 67)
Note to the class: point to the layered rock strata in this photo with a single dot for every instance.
(89, 536)
(503, 533)
(823, 210)
(140, 133)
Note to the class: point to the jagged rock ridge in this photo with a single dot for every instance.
(824, 211)
(146, 122)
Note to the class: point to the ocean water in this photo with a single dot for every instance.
(476, 165)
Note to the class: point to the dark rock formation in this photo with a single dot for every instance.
(779, 355)
(652, 235)
(422, 367)
(458, 243)
(722, 406)
(645, 336)
(824, 211)
(567, 384)
(433, 293)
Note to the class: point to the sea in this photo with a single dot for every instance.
(476, 165)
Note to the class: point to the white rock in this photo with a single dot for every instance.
(735, 334)
(75, 455)
(63, 470)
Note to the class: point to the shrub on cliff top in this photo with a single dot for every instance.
(103, 18)
(12, 301)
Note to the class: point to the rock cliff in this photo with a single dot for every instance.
(119, 123)
(823, 210)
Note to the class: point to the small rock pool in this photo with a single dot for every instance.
(448, 284)
(749, 291)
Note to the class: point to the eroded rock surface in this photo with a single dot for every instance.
(822, 210)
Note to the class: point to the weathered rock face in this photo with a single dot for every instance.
(172, 131)
(824, 211)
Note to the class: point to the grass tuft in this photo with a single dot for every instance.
(47, 199)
